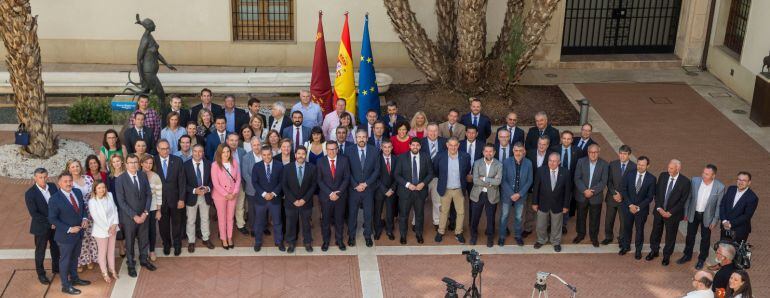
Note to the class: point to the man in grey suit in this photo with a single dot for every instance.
(702, 211)
(134, 197)
(248, 161)
(618, 169)
(487, 176)
(517, 179)
(590, 180)
(452, 128)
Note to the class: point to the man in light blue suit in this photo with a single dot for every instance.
(702, 211)
(517, 179)
(364, 174)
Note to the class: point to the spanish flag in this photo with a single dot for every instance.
(345, 82)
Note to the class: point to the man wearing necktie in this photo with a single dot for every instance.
(432, 145)
(452, 128)
(173, 178)
(477, 119)
(378, 135)
(134, 196)
(413, 173)
(218, 136)
(198, 177)
(503, 148)
(551, 193)
(585, 139)
(637, 191)
(542, 128)
(673, 191)
(617, 170)
(66, 211)
(334, 184)
(299, 183)
(516, 134)
(138, 132)
(266, 178)
(297, 133)
(385, 194)
(364, 173)
(569, 157)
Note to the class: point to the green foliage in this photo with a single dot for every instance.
(90, 111)
(516, 47)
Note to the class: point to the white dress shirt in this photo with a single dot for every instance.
(411, 158)
(540, 159)
(704, 192)
(487, 165)
(707, 293)
(738, 195)
(104, 214)
(46, 193)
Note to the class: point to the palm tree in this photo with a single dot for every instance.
(18, 29)
(459, 59)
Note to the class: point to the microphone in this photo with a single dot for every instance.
(452, 283)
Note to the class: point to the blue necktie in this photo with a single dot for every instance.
(363, 159)
(300, 176)
(622, 168)
(414, 170)
(198, 175)
(165, 168)
(267, 172)
(476, 121)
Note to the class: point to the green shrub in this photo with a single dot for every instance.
(90, 111)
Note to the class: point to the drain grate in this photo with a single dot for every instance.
(720, 94)
(739, 112)
(551, 75)
(660, 100)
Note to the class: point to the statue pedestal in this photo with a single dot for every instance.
(760, 104)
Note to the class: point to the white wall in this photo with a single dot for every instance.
(756, 44)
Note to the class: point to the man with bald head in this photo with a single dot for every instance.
(551, 194)
(672, 193)
(701, 283)
(542, 128)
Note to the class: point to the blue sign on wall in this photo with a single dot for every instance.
(123, 103)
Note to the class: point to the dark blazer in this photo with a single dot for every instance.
(478, 151)
(518, 135)
(497, 151)
(341, 180)
(532, 156)
(615, 177)
(173, 184)
(212, 142)
(425, 147)
(739, 215)
(62, 214)
(646, 193)
(679, 196)
(484, 127)
(286, 122)
(371, 141)
(584, 149)
(404, 173)
(533, 134)
(132, 201)
(289, 134)
(597, 184)
(369, 173)
(216, 110)
(241, 118)
(441, 168)
(343, 153)
(192, 181)
(574, 153)
(184, 117)
(293, 189)
(262, 184)
(38, 209)
(389, 129)
(130, 136)
(387, 180)
(551, 200)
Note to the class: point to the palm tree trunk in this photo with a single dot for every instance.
(446, 15)
(18, 29)
(514, 11)
(471, 42)
(536, 22)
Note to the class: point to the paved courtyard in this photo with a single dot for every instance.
(687, 123)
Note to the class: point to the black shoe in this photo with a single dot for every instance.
(652, 255)
(699, 265)
(208, 244)
(438, 238)
(490, 242)
(557, 248)
(420, 240)
(243, 230)
(351, 242)
(683, 259)
(403, 240)
(232, 245)
(325, 246)
(308, 248)
(606, 241)
(257, 247)
(369, 242)
(623, 251)
(538, 245)
(341, 245)
(191, 248)
(80, 282)
(281, 247)
(519, 241)
(460, 238)
(564, 230)
(149, 266)
(43, 280)
(501, 242)
(391, 236)
(665, 261)
(291, 249)
(638, 255)
(595, 243)
(166, 250)
(131, 271)
(177, 251)
(577, 239)
(71, 291)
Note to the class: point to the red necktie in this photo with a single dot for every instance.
(334, 169)
(387, 163)
(74, 203)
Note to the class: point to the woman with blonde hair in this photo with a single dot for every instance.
(148, 165)
(104, 214)
(116, 167)
(419, 124)
(205, 123)
(226, 179)
(88, 251)
(258, 127)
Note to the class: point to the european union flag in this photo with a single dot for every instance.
(368, 94)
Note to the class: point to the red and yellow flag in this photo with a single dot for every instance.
(345, 82)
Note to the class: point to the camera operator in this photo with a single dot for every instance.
(724, 255)
(737, 208)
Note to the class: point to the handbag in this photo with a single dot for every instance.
(22, 136)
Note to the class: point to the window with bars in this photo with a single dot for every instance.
(263, 20)
(736, 25)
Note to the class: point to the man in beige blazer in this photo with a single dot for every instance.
(452, 128)
(487, 176)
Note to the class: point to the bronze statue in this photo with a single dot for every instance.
(147, 64)
(765, 64)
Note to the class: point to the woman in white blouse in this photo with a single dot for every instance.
(104, 214)
(156, 185)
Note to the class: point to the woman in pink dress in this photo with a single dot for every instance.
(226, 179)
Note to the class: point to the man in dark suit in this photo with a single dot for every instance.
(169, 169)
(431, 146)
(391, 118)
(206, 97)
(278, 120)
(297, 133)
(236, 118)
(378, 135)
(569, 156)
(67, 212)
(299, 183)
(617, 170)
(552, 192)
(138, 132)
(333, 182)
(266, 178)
(218, 136)
(737, 208)
(364, 174)
(198, 178)
(176, 106)
(503, 147)
(134, 197)
(538, 158)
(413, 173)
(477, 119)
(585, 139)
(37, 198)
(254, 105)
(472, 145)
(516, 133)
(590, 180)
(341, 134)
(452, 168)
(637, 190)
(385, 193)
(672, 193)
(542, 128)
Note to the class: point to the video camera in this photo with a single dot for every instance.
(742, 259)
(472, 256)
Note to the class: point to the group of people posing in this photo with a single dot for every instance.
(163, 175)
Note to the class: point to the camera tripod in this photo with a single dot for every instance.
(541, 288)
